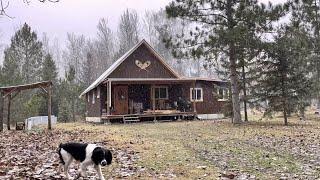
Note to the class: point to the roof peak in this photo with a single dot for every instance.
(124, 57)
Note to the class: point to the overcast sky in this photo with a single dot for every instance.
(78, 16)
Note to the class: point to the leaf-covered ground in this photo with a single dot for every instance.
(174, 150)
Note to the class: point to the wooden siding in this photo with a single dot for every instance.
(210, 103)
(94, 109)
(128, 68)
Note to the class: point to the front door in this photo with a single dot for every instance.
(120, 100)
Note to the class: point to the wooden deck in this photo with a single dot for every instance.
(125, 118)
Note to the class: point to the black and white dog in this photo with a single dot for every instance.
(87, 154)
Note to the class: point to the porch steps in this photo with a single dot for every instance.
(128, 119)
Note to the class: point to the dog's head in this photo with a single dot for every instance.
(101, 156)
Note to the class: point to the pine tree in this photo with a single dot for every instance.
(10, 70)
(49, 73)
(307, 12)
(219, 25)
(26, 50)
(283, 79)
(49, 70)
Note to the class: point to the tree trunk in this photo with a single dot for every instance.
(1, 111)
(284, 93)
(233, 67)
(285, 113)
(234, 89)
(73, 111)
(244, 94)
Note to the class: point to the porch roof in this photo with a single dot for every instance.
(161, 80)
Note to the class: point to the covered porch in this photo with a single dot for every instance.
(130, 100)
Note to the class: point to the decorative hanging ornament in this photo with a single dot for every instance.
(144, 65)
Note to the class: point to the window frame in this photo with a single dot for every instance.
(159, 87)
(225, 93)
(196, 94)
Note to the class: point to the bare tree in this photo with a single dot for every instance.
(104, 45)
(128, 31)
(4, 5)
(75, 54)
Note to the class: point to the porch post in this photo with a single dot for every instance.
(49, 106)
(153, 97)
(109, 97)
(8, 115)
(194, 102)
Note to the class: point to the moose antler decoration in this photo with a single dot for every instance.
(144, 65)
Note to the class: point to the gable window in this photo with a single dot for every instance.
(88, 97)
(98, 92)
(161, 92)
(196, 94)
(93, 97)
(223, 93)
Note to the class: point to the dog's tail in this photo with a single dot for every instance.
(60, 156)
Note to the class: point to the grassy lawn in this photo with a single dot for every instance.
(211, 149)
(173, 150)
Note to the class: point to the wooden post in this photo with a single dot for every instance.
(49, 107)
(194, 101)
(1, 111)
(110, 97)
(153, 97)
(8, 115)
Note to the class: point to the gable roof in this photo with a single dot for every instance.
(124, 57)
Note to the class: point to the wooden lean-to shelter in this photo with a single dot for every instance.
(11, 92)
(140, 85)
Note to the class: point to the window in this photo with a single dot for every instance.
(93, 97)
(223, 93)
(196, 94)
(98, 92)
(161, 92)
(88, 97)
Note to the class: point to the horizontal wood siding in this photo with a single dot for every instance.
(210, 103)
(93, 109)
(128, 68)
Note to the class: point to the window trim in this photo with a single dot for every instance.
(167, 92)
(196, 90)
(225, 93)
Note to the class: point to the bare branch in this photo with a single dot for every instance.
(3, 6)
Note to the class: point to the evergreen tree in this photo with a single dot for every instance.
(10, 70)
(283, 80)
(49, 70)
(218, 29)
(49, 73)
(307, 13)
(26, 50)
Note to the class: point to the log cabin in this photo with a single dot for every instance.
(140, 85)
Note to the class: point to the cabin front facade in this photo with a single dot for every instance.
(140, 85)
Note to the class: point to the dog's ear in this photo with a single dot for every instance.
(97, 155)
(108, 156)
